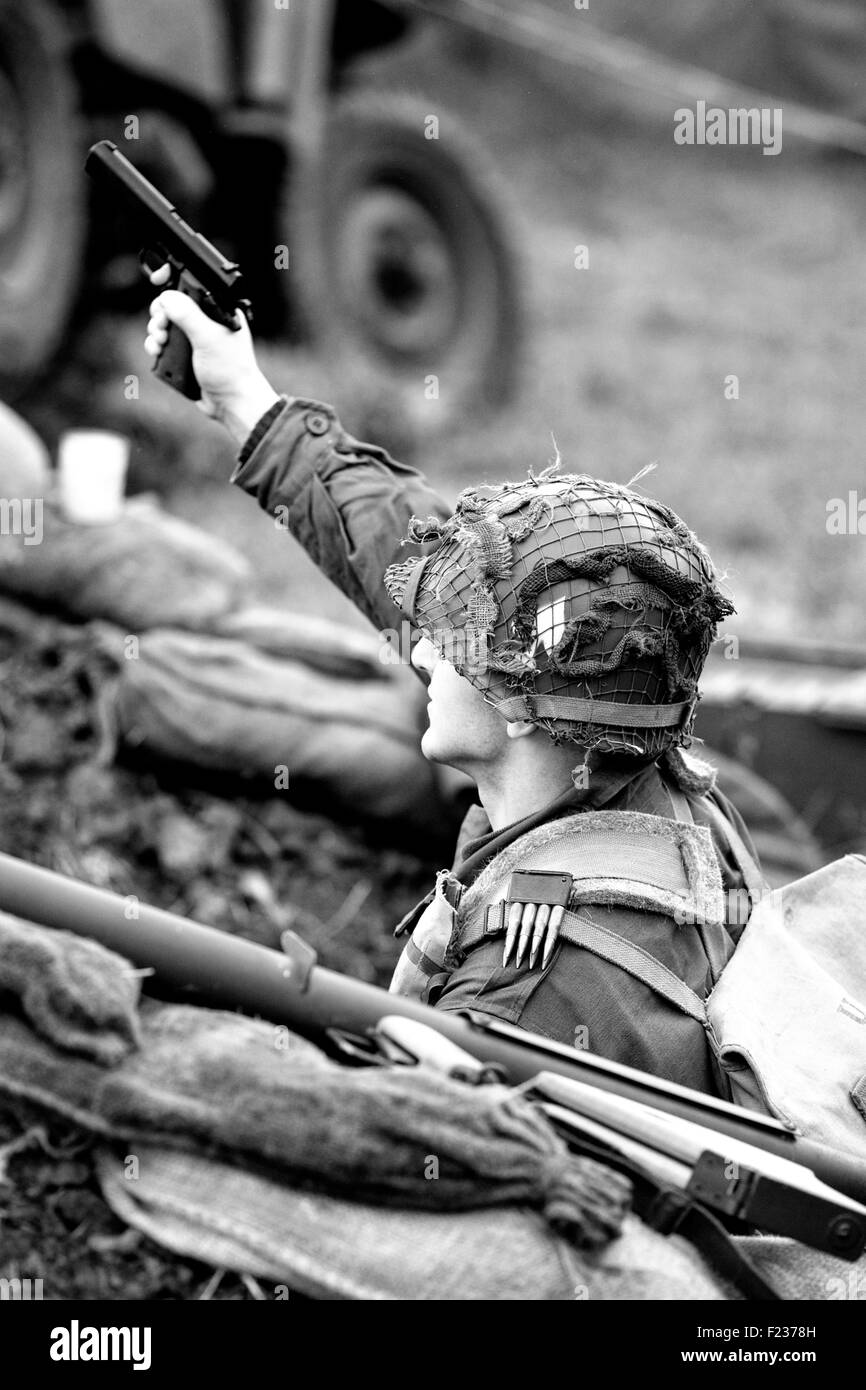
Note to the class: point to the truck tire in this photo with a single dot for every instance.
(401, 256)
(42, 196)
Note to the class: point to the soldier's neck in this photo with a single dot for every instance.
(527, 779)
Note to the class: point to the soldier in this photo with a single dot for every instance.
(562, 623)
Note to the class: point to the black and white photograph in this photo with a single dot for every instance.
(432, 671)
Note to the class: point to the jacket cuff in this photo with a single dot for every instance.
(256, 435)
(285, 450)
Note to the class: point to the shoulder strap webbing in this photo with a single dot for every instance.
(618, 950)
(628, 858)
(635, 961)
(714, 937)
(746, 861)
(680, 803)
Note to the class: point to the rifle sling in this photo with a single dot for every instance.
(709, 1236)
(671, 1212)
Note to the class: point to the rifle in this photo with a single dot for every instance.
(745, 1165)
(197, 267)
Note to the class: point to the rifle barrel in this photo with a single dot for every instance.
(230, 972)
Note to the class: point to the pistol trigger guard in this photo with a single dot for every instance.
(150, 260)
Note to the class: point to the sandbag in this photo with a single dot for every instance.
(329, 1247)
(224, 705)
(147, 569)
(25, 466)
(320, 643)
(212, 1081)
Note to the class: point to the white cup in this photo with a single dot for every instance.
(91, 475)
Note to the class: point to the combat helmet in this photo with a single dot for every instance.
(578, 605)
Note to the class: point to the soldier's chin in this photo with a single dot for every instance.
(435, 748)
(428, 745)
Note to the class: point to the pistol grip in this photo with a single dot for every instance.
(174, 364)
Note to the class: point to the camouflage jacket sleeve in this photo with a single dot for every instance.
(347, 503)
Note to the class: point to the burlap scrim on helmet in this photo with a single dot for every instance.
(574, 603)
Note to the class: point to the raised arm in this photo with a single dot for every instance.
(346, 502)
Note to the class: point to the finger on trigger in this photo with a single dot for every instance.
(541, 917)
(553, 926)
(160, 276)
(525, 932)
(514, 914)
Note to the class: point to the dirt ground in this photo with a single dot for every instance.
(56, 1227)
(702, 264)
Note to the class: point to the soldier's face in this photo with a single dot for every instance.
(463, 730)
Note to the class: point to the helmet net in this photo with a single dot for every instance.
(576, 604)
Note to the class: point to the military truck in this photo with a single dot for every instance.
(363, 221)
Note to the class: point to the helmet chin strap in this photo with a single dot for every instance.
(530, 707)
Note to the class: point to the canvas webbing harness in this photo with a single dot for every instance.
(641, 869)
(657, 865)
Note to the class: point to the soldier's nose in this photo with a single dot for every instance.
(424, 655)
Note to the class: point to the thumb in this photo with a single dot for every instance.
(184, 312)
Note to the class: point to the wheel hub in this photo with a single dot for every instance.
(396, 272)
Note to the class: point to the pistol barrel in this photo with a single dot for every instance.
(162, 229)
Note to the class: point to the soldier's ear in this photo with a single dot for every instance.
(520, 728)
